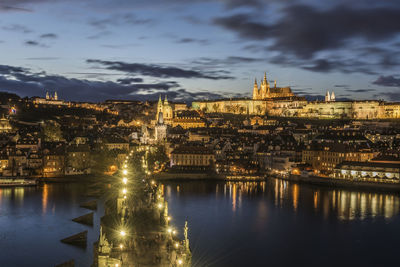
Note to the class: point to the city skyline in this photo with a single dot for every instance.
(199, 50)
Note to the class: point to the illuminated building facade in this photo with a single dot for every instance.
(282, 102)
(266, 91)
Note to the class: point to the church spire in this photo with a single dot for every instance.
(265, 78)
(255, 90)
(165, 100)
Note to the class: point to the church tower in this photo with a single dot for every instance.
(255, 90)
(160, 131)
(159, 107)
(167, 109)
(333, 97)
(327, 97)
(55, 95)
(47, 96)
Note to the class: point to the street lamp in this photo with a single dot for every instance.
(124, 180)
(125, 172)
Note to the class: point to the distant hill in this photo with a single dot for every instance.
(5, 97)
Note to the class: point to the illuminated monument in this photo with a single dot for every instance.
(282, 102)
(265, 91)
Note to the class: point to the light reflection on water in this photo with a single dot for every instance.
(285, 224)
(345, 204)
(34, 219)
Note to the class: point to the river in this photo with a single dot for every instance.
(272, 223)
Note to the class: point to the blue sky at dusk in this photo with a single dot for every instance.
(120, 49)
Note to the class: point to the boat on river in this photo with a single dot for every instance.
(12, 182)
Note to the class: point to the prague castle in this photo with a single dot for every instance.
(266, 91)
(282, 102)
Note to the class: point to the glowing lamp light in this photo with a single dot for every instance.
(176, 244)
(121, 246)
(122, 233)
(169, 230)
(168, 218)
(124, 197)
(173, 232)
(124, 191)
(152, 182)
(179, 262)
(125, 172)
(124, 180)
(160, 205)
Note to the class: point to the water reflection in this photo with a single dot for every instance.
(45, 197)
(338, 203)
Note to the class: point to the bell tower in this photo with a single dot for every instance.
(255, 90)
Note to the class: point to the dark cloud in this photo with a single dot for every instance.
(118, 20)
(244, 3)
(159, 71)
(389, 81)
(361, 90)
(49, 36)
(316, 39)
(326, 65)
(245, 26)
(6, 8)
(32, 43)
(228, 61)
(24, 82)
(193, 40)
(342, 85)
(130, 80)
(392, 96)
(305, 30)
(17, 28)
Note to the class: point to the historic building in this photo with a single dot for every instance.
(160, 131)
(49, 100)
(166, 110)
(193, 156)
(5, 125)
(188, 119)
(282, 102)
(265, 91)
(267, 99)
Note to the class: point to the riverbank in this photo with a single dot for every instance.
(340, 183)
(205, 176)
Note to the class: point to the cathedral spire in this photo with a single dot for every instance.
(265, 77)
(159, 99)
(255, 90)
(165, 100)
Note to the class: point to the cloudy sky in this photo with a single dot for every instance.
(199, 49)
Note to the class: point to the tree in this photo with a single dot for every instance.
(52, 132)
(157, 156)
